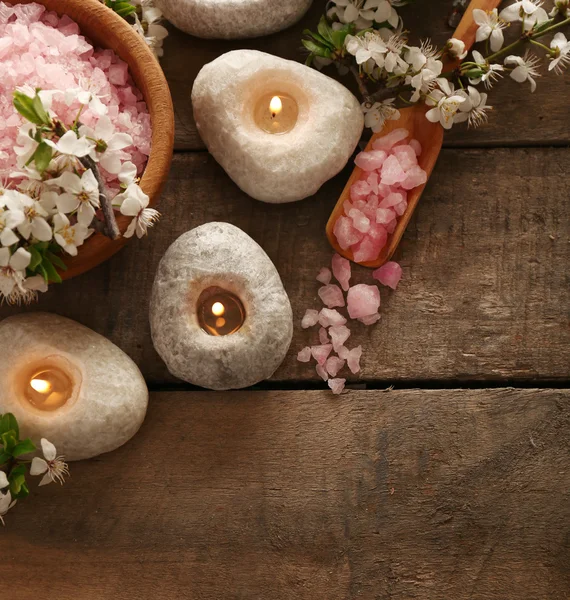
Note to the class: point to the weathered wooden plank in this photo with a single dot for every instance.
(302, 495)
(485, 293)
(520, 118)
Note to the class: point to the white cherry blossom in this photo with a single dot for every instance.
(108, 144)
(490, 27)
(81, 194)
(375, 115)
(456, 48)
(68, 236)
(353, 11)
(489, 71)
(561, 46)
(133, 202)
(6, 503)
(34, 224)
(53, 466)
(10, 218)
(446, 103)
(13, 271)
(3, 481)
(528, 11)
(526, 68)
(474, 109)
(70, 144)
(128, 173)
(560, 7)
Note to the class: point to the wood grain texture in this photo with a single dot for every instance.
(400, 495)
(485, 292)
(105, 29)
(519, 118)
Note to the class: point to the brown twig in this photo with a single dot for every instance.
(111, 229)
(360, 82)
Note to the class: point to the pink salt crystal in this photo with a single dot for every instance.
(333, 365)
(389, 274)
(365, 251)
(337, 385)
(373, 180)
(391, 200)
(384, 190)
(324, 275)
(353, 359)
(345, 233)
(384, 215)
(304, 355)
(339, 335)
(331, 295)
(416, 146)
(359, 190)
(310, 318)
(323, 336)
(347, 206)
(378, 235)
(322, 372)
(343, 352)
(118, 73)
(359, 220)
(321, 353)
(391, 226)
(370, 320)
(416, 176)
(401, 208)
(371, 160)
(392, 171)
(330, 317)
(406, 156)
(341, 270)
(386, 142)
(363, 300)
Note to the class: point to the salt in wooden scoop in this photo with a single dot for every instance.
(430, 136)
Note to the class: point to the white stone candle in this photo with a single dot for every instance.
(68, 384)
(277, 127)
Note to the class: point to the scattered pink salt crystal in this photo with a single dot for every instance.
(322, 372)
(384, 215)
(304, 355)
(324, 275)
(331, 295)
(339, 335)
(330, 317)
(416, 176)
(360, 222)
(360, 190)
(386, 142)
(337, 385)
(333, 365)
(363, 300)
(406, 156)
(345, 233)
(366, 250)
(323, 336)
(310, 318)
(391, 200)
(352, 358)
(392, 171)
(341, 270)
(416, 146)
(371, 160)
(370, 320)
(389, 274)
(321, 353)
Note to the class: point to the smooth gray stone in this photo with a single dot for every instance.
(111, 398)
(275, 168)
(233, 19)
(221, 255)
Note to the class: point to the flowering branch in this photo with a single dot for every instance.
(15, 464)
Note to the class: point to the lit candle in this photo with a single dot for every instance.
(48, 388)
(276, 113)
(220, 312)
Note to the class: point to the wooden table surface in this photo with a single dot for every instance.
(453, 485)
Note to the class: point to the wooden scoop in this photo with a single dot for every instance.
(430, 136)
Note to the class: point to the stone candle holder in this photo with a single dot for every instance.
(219, 315)
(278, 128)
(227, 19)
(68, 384)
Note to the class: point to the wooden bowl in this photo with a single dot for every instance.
(105, 29)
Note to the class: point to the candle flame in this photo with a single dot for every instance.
(41, 385)
(218, 309)
(275, 106)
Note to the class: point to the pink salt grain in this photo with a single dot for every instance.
(323, 336)
(322, 372)
(333, 365)
(324, 275)
(331, 296)
(384, 216)
(417, 147)
(386, 142)
(330, 317)
(363, 300)
(310, 318)
(392, 171)
(389, 274)
(366, 250)
(360, 190)
(359, 220)
(321, 353)
(304, 355)
(353, 359)
(341, 270)
(345, 233)
(339, 335)
(336, 385)
(371, 160)
(406, 156)
(415, 177)
(370, 320)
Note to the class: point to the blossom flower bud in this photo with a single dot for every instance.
(456, 48)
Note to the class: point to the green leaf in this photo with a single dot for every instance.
(36, 258)
(316, 49)
(23, 447)
(8, 422)
(50, 271)
(318, 38)
(56, 260)
(42, 271)
(17, 479)
(40, 110)
(25, 106)
(9, 440)
(122, 8)
(324, 29)
(42, 157)
(4, 458)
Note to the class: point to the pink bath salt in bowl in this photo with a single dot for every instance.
(39, 49)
